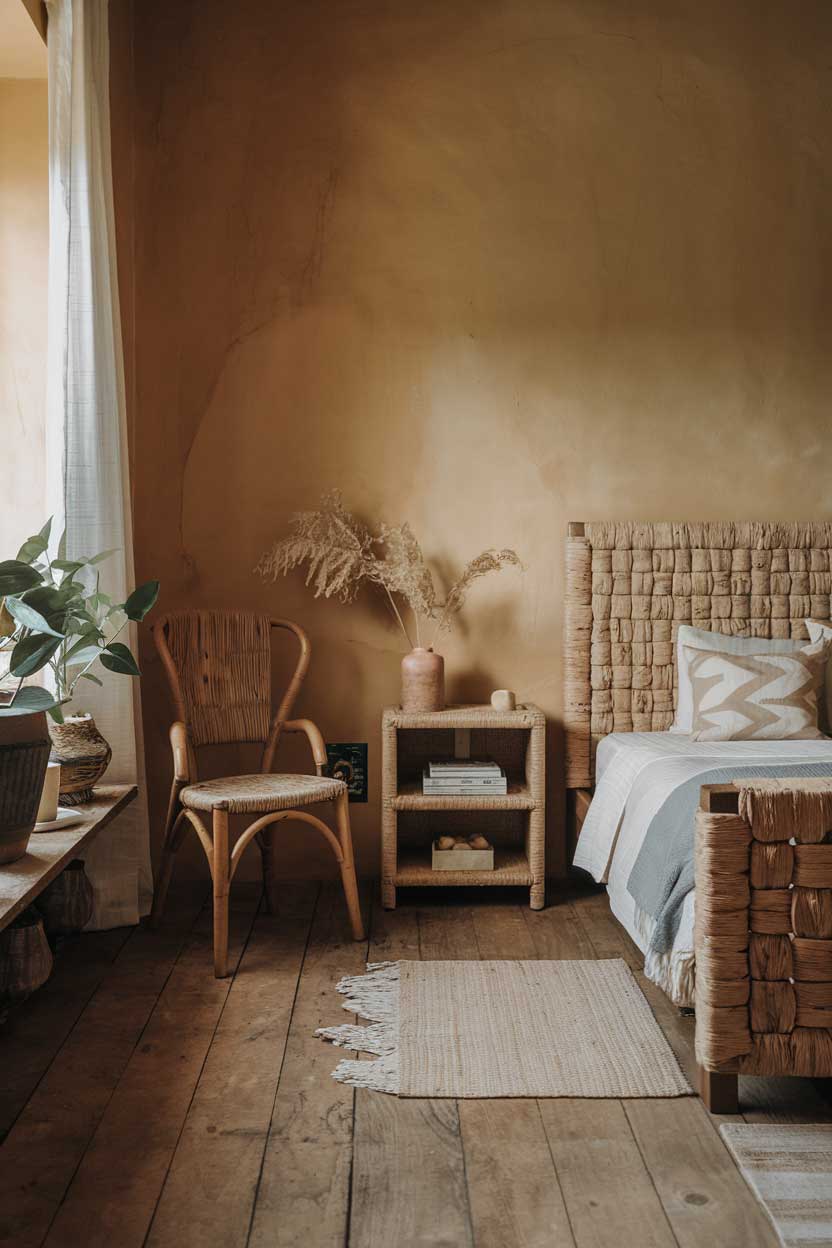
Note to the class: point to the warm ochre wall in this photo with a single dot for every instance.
(24, 247)
(486, 267)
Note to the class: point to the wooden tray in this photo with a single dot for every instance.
(462, 859)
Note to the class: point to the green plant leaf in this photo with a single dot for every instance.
(31, 654)
(30, 698)
(76, 625)
(52, 601)
(117, 658)
(35, 546)
(62, 545)
(89, 640)
(95, 602)
(32, 548)
(16, 576)
(30, 618)
(87, 654)
(141, 600)
(67, 565)
(46, 598)
(57, 713)
(94, 679)
(105, 554)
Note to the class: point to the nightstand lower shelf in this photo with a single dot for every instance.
(511, 866)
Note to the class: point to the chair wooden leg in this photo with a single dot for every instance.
(264, 840)
(170, 845)
(221, 885)
(719, 1092)
(342, 814)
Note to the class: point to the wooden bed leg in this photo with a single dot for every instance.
(719, 1092)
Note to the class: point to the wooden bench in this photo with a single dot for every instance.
(50, 852)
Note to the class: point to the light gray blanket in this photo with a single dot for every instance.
(663, 873)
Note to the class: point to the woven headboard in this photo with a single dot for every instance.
(628, 588)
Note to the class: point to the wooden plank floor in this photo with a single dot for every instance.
(145, 1103)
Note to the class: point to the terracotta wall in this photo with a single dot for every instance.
(486, 267)
(24, 247)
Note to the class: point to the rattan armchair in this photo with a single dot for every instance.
(218, 665)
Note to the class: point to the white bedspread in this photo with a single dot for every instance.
(637, 773)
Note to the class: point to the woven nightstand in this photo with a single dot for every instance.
(515, 823)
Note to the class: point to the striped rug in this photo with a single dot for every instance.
(790, 1170)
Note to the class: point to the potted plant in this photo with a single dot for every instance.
(55, 618)
(340, 553)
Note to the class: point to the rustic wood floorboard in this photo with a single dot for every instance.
(303, 1193)
(48, 1141)
(31, 1037)
(148, 1104)
(705, 1198)
(125, 1164)
(607, 1191)
(208, 1197)
(513, 1188)
(408, 1156)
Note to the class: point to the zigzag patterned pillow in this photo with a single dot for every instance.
(756, 697)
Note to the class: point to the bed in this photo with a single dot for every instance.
(628, 588)
(640, 824)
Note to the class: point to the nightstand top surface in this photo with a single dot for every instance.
(473, 715)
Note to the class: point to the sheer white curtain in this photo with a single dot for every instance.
(87, 462)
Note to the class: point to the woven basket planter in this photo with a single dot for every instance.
(66, 904)
(25, 957)
(24, 753)
(84, 756)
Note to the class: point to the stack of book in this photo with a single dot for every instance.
(463, 776)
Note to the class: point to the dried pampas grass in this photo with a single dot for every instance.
(340, 552)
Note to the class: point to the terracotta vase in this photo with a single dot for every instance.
(423, 681)
(24, 753)
(83, 754)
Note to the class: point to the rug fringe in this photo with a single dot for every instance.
(378, 1076)
(374, 996)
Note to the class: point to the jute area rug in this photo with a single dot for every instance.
(790, 1170)
(484, 1029)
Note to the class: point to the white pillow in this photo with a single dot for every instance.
(702, 639)
(822, 630)
(756, 697)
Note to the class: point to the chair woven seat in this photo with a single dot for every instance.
(263, 793)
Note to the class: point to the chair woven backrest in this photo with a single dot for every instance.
(221, 673)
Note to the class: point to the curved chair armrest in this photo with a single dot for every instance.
(299, 674)
(179, 745)
(313, 735)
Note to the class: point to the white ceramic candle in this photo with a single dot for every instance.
(503, 700)
(48, 809)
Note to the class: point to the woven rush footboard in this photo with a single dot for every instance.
(763, 932)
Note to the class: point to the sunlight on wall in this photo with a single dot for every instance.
(24, 246)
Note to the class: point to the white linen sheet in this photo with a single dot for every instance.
(636, 773)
